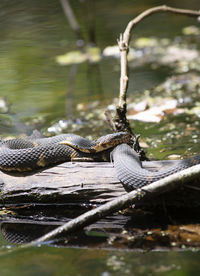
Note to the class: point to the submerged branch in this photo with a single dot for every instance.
(161, 186)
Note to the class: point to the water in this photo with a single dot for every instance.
(38, 92)
(70, 261)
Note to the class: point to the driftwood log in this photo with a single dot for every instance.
(81, 182)
(76, 183)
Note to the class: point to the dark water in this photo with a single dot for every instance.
(38, 91)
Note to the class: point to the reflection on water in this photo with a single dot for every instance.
(33, 221)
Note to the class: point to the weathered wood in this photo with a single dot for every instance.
(80, 182)
(77, 183)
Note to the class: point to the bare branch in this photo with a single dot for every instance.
(148, 12)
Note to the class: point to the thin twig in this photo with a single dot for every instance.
(163, 8)
(171, 182)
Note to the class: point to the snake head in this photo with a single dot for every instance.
(114, 139)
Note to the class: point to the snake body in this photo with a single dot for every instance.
(27, 155)
(135, 174)
(24, 155)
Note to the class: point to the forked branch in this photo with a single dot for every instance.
(120, 121)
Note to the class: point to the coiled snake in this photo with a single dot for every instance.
(27, 155)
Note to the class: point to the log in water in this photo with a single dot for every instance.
(85, 182)
(82, 183)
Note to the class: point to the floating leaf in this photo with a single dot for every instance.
(71, 58)
(191, 30)
(146, 42)
(112, 51)
(94, 54)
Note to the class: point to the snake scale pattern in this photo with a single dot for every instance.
(135, 174)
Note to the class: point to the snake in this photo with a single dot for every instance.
(135, 174)
(36, 152)
(27, 155)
